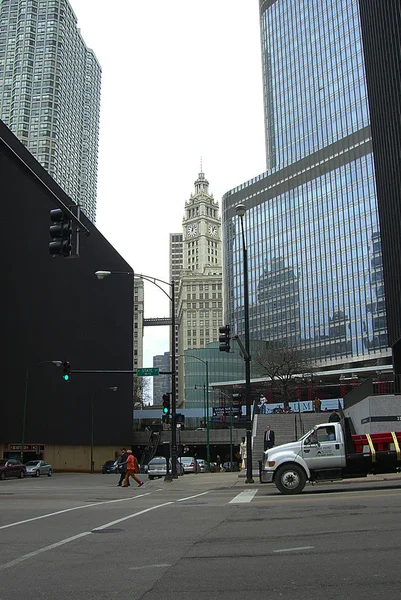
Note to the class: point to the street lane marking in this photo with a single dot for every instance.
(24, 557)
(245, 496)
(295, 549)
(60, 512)
(190, 497)
(279, 499)
(149, 567)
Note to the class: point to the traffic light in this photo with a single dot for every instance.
(60, 233)
(66, 371)
(166, 404)
(224, 338)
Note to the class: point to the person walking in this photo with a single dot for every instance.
(132, 468)
(317, 404)
(243, 452)
(122, 465)
(334, 417)
(268, 440)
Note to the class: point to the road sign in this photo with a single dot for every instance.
(148, 372)
(225, 411)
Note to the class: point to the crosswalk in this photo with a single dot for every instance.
(245, 496)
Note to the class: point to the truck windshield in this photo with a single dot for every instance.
(307, 434)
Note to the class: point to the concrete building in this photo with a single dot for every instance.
(139, 310)
(55, 309)
(176, 266)
(381, 27)
(161, 383)
(311, 223)
(200, 295)
(50, 93)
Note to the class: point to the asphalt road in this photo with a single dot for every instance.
(206, 536)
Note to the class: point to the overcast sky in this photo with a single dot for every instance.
(181, 80)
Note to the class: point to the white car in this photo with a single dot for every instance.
(35, 468)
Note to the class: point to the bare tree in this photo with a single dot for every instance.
(286, 368)
(141, 392)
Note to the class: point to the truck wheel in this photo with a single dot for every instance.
(290, 479)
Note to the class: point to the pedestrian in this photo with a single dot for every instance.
(263, 404)
(243, 452)
(218, 463)
(132, 468)
(317, 404)
(334, 417)
(268, 440)
(122, 465)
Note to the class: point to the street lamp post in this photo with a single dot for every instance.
(240, 212)
(206, 363)
(112, 388)
(156, 281)
(58, 363)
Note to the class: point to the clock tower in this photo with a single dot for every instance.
(199, 289)
(201, 229)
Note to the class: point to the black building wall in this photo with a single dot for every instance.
(381, 32)
(56, 309)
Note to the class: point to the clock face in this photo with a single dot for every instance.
(192, 230)
(213, 230)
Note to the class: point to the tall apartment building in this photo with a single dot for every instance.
(311, 223)
(176, 266)
(50, 93)
(139, 313)
(200, 296)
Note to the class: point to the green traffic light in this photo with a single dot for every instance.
(165, 410)
(66, 377)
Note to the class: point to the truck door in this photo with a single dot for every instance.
(322, 450)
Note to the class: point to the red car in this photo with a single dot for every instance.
(9, 467)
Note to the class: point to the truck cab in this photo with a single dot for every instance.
(319, 454)
(324, 453)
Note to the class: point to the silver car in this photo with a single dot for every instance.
(35, 468)
(189, 463)
(157, 467)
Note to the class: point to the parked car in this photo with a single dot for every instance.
(157, 467)
(35, 468)
(213, 467)
(227, 466)
(202, 465)
(189, 464)
(9, 467)
(110, 466)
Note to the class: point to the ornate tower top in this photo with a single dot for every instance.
(201, 184)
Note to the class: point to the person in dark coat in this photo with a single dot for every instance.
(268, 440)
(334, 417)
(122, 465)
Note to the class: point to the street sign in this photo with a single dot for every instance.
(220, 411)
(147, 372)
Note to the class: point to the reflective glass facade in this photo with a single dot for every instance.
(313, 76)
(311, 222)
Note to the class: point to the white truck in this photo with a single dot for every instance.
(327, 453)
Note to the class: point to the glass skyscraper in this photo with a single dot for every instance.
(311, 222)
(50, 93)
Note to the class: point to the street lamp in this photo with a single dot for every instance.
(206, 363)
(58, 363)
(156, 281)
(112, 388)
(240, 212)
